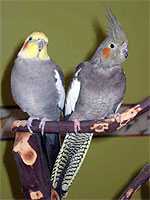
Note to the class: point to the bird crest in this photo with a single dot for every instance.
(116, 31)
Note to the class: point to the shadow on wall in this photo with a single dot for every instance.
(100, 36)
(8, 157)
(145, 194)
(6, 87)
(144, 189)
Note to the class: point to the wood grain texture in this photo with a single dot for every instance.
(136, 184)
(32, 166)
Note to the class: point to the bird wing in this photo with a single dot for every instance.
(73, 91)
(60, 87)
(72, 97)
(52, 142)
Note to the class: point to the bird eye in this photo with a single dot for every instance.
(112, 45)
(30, 38)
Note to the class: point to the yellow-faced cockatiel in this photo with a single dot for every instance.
(37, 85)
(96, 91)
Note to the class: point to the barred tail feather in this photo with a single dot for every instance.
(77, 159)
(69, 160)
(60, 162)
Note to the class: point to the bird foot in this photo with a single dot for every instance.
(77, 127)
(42, 125)
(29, 123)
(117, 117)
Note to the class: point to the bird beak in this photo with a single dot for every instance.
(40, 44)
(125, 50)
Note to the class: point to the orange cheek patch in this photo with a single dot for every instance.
(106, 52)
(25, 46)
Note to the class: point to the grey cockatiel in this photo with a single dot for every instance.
(96, 91)
(37, 85)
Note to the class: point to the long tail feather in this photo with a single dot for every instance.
(69, 160)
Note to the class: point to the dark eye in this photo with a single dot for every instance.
(30, 38)
(112, 46)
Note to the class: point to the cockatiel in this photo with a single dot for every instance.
(96, 91)
(37, 85)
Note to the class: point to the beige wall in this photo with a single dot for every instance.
(75, 29)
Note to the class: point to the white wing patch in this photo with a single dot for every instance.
(60, 90)
(72, 95)
(118, 107)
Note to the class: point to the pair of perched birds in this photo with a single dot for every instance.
(96, 91)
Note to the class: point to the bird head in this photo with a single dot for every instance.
(114, 49)
(35, 46)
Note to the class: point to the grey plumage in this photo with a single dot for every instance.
(34, 89)
(38, 88)
(96, 91)
(92, 96)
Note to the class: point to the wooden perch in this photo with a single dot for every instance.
(31, 160)
(32, 167)
(100, 126)
(136, 184)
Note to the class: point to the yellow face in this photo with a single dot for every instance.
(35, 46)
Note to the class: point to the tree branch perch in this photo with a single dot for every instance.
(31, 161)
(100, 126)
(136, 184)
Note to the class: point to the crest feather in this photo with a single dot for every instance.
(116, 31)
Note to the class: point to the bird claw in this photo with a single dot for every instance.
(77, 127)
(117, 117)
(29, 123)
(42, 125)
